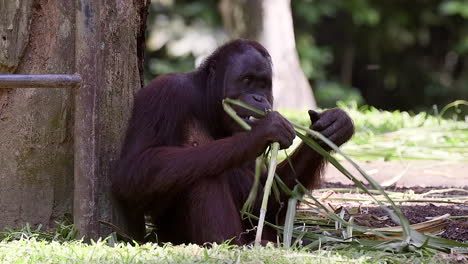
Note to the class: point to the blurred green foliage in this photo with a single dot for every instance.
(180, 16)
(455, 7)
(398, 54)
(328, 93)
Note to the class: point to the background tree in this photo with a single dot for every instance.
(406, 55)
(270, 23)
(401, 54)
(181, 34)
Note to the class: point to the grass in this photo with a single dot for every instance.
(62, 232)
(384, 135)
(393, 135)
(34, 251)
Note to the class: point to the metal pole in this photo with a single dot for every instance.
(40, 81)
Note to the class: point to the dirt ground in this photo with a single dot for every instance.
(456, 229)
(420, 177)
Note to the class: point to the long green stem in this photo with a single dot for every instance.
(232, 113)
(396, 215)
(247, 207)
(289, 222)
(258, 163)
(266, 191)
(271, 170)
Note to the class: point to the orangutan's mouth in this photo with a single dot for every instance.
(250, 119)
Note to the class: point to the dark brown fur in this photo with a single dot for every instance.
(191, 172)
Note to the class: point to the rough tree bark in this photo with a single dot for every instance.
(103, 41)
(109, 54)
(270, 23)
(36, 140)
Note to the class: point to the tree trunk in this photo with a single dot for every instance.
(270, 23)
(103, 41)
(36, 125)
(110, 37)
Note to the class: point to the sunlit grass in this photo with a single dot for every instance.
(384, 135)
(379, 134)
(32, 251)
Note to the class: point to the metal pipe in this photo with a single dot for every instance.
(40, 81)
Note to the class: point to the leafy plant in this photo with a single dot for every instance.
(63, 231)
(410, 239)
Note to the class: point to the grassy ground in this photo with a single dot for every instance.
(32, 251)
(387, 135)
(399, 135)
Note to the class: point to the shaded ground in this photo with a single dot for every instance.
(417, 176)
